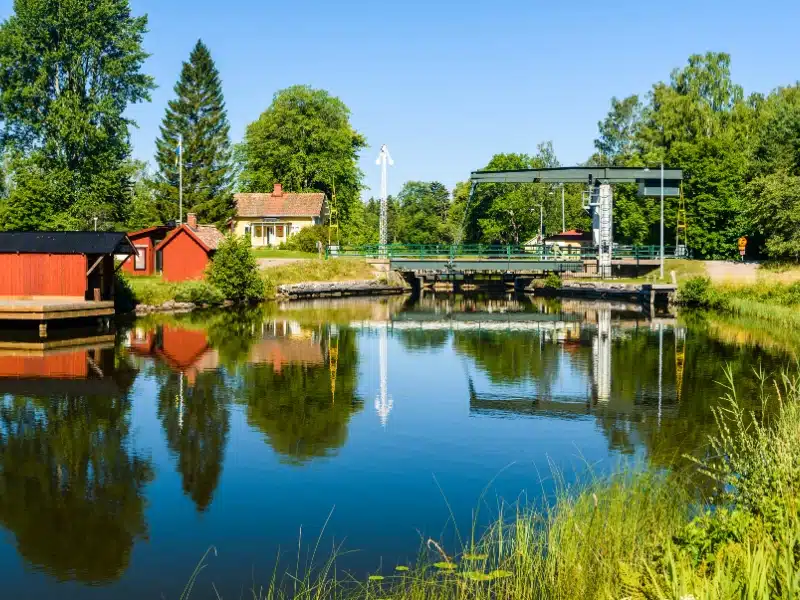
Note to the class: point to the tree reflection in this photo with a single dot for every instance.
(512, 357)
(196, 421)
(422, 339)
(71, 488)
(303, 408)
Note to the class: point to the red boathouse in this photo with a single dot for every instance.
(187, 250)
(72, 264)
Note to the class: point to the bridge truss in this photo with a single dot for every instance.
(599, 200)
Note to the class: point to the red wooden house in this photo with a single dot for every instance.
(187, 250)
(73, 264)
(147, 261)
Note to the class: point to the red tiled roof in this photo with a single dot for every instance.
(283, 205)
(209, 235)
(575, 234)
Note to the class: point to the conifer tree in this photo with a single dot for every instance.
(198, 115)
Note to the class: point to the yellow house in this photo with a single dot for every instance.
(269, 219)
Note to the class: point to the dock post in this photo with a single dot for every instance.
(43, 329)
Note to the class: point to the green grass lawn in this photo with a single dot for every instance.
(276, 253)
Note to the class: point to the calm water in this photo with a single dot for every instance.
(123, 460)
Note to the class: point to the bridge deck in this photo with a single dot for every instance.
(484, 265)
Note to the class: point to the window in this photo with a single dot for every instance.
(279, 230)
(140, 260)
(258, 231)
(247, 231)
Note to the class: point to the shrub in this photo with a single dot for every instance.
(306, 239)
(552, 281)
(234, 271)
(198, 292)
(696, 291)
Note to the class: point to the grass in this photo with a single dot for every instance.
(155, 291)
(276, 253)
(683, 268)
(642, 535)
(767, 301)
(152, 289)
(340, 269)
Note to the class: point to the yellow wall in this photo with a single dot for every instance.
(291, 224)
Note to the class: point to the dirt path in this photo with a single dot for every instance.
(725, 271)
(264, 263)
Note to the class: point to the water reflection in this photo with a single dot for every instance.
(236, 405)
(71, 489)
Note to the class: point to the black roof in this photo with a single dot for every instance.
(66, 242)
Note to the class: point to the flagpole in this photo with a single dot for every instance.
(180, 179)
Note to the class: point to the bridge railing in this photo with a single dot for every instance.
(495, 251)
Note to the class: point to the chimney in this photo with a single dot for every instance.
(278, 190)
(191, 220)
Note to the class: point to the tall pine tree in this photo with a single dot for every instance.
(198, 114)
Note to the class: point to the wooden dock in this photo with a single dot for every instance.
(43, 309)
(48, 308)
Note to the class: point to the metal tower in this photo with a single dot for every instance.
(384, 160)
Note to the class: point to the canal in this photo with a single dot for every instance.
(368, 425)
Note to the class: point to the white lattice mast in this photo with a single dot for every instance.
(384, 160)
(383, 402)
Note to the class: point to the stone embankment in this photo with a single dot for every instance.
(170, 306)
(325, 289)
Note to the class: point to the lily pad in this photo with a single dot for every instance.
(476, 576)
(445, 566)
(376, 577)
(500, 574)
(475, 556)
(401, 568)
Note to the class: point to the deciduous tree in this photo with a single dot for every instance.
(305, 141)
(68, 72)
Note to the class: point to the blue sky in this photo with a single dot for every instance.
(448, 84)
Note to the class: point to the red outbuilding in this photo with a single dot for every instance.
(187, 250)
(70, 264)
(147, 261)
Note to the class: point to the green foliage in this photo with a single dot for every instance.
(68, 72)
(198, 115)
(306, 239)
(305, 141)
(696, 291)
(699, 122)
(703, 536)
(774, 209)
(509, 213)
(552, 281)
(198, 292)
(143, 211)
(422, 213)
(234, 271)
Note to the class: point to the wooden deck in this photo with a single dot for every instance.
(48, 308)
